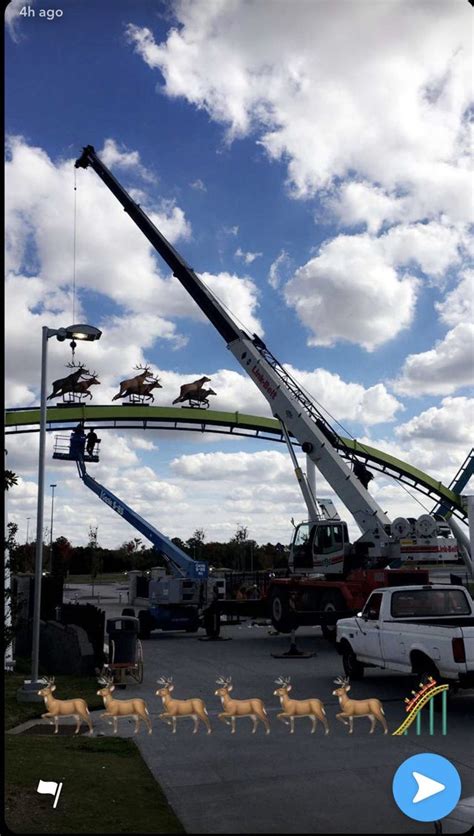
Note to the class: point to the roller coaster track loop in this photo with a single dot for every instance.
(417, 708)
(232, 423)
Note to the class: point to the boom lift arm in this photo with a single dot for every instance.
(180, 564)
(287, 400)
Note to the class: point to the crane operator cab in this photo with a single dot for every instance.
(319, 547)
(82, 444)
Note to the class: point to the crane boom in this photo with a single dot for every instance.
(287, 400)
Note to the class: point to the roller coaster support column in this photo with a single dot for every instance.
(465, 545)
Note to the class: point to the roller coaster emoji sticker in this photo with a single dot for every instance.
(414, 705)
(371, 708)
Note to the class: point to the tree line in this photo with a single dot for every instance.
(240, 554)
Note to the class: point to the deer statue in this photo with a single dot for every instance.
(371, 708)
(145, 389)
(67, 384)
(122, 708)
(82, 386)
(173, 709)
(253, 708)
(312, 708)
(63, 708)
(190, 391)
(201, 396)
(132, 386)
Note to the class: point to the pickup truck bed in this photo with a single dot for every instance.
(450, 621)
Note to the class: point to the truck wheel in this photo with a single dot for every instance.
(424, 667)
(145, 625)
(280, 611)
(352, 667)
(330, 603)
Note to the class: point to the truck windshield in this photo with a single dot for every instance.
(428, 603)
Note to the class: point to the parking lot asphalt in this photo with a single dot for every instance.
(281, 783)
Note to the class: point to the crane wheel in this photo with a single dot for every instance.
(331, 602)
(280, 611)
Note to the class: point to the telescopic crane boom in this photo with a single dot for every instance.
(288, 402)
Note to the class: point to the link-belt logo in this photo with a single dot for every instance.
(109, 501)
(266, 384)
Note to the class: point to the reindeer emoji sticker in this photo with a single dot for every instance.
(371, 708)
(114, 709)
(63, 708)
(253, 708)
(312, 708)
(173, 709)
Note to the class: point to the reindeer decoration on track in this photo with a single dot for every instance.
(55, 709)
(82, 386)
(69, 384)
(200, 398)
(371, 708)
(135, 708)
(312, 708)
(173, 709)
(133, 387)
(253, 708)
(146, 388)
(192, 391)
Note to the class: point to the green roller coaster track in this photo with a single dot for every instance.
(230, 423)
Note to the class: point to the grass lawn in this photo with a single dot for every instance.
(66, 688)
(107, 786)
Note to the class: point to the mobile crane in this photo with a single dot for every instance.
(175, 599)
(334, 576)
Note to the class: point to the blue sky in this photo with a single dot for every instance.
(317, 181)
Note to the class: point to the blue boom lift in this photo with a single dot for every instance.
(176, 600)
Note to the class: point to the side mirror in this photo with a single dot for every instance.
(359, 615)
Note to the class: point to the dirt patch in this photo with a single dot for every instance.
(27, 812)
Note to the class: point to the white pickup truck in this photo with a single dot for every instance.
(426, 630)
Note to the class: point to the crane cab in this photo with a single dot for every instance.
(319, 547)
(67, 449)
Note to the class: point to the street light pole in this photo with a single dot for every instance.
(40, 508)
(80, 332)
(51, 529)
(28, 530)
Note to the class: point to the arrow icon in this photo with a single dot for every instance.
(426, 787)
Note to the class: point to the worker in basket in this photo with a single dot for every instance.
(91, 442)
(78, 441)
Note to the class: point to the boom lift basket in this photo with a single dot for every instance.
(62, 450)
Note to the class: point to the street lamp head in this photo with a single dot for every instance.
(83, 332)
(78, 332)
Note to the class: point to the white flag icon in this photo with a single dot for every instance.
(50, 788)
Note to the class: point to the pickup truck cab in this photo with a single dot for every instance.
(427, 630)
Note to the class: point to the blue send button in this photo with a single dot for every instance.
(426, 787)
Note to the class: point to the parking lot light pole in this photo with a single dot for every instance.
(51, 529)
(74, 332)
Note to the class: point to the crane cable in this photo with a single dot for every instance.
(73, 344)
